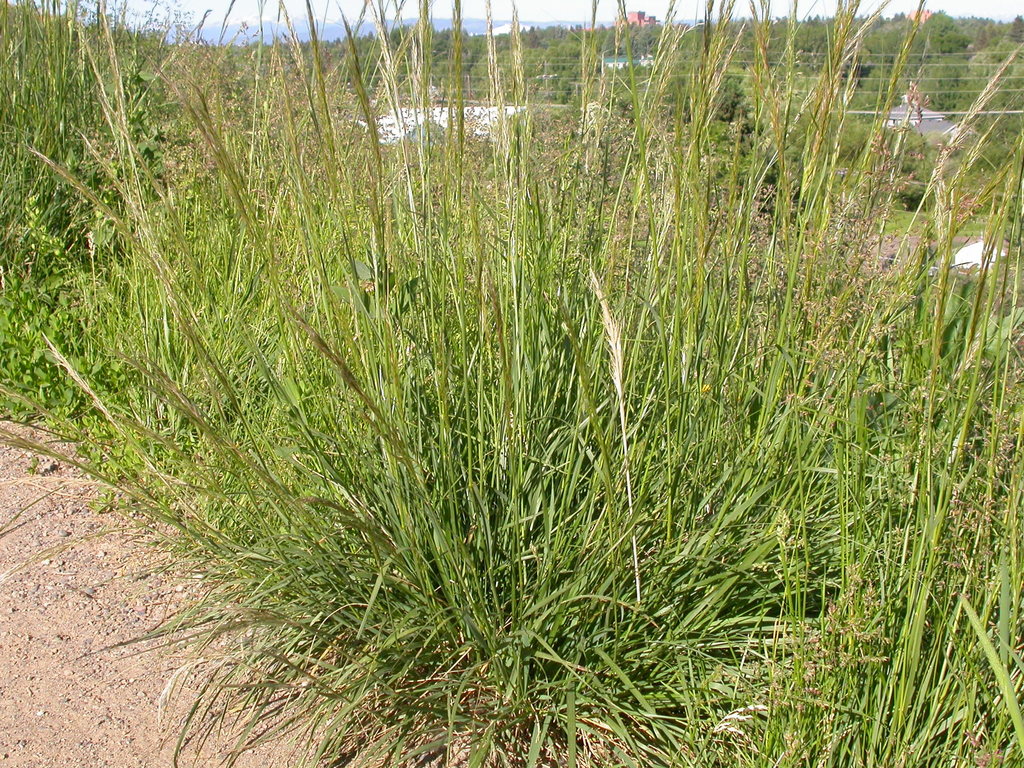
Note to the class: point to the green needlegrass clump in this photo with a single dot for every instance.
(610, 440)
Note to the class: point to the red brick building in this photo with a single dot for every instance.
(640, 19)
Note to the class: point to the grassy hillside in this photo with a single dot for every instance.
(610, 440)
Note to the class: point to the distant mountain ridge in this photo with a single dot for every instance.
(249, 30)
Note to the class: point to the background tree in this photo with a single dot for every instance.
(1017, 30)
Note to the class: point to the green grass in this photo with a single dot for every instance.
(616, 447)
(55, 241)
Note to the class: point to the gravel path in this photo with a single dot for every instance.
(69, 697)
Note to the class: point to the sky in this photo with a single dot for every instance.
(576, 10)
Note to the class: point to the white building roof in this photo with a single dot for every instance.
(924, 121)
(409, 122)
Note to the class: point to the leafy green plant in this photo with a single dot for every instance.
(56, 233)
(620, 449)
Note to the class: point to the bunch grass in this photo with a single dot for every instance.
(620, 450)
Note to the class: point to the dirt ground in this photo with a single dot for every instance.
(69, 696)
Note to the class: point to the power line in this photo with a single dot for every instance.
(945, 113)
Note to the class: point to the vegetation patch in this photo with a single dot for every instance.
(615, 437)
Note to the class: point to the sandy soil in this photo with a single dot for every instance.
(70, 697)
